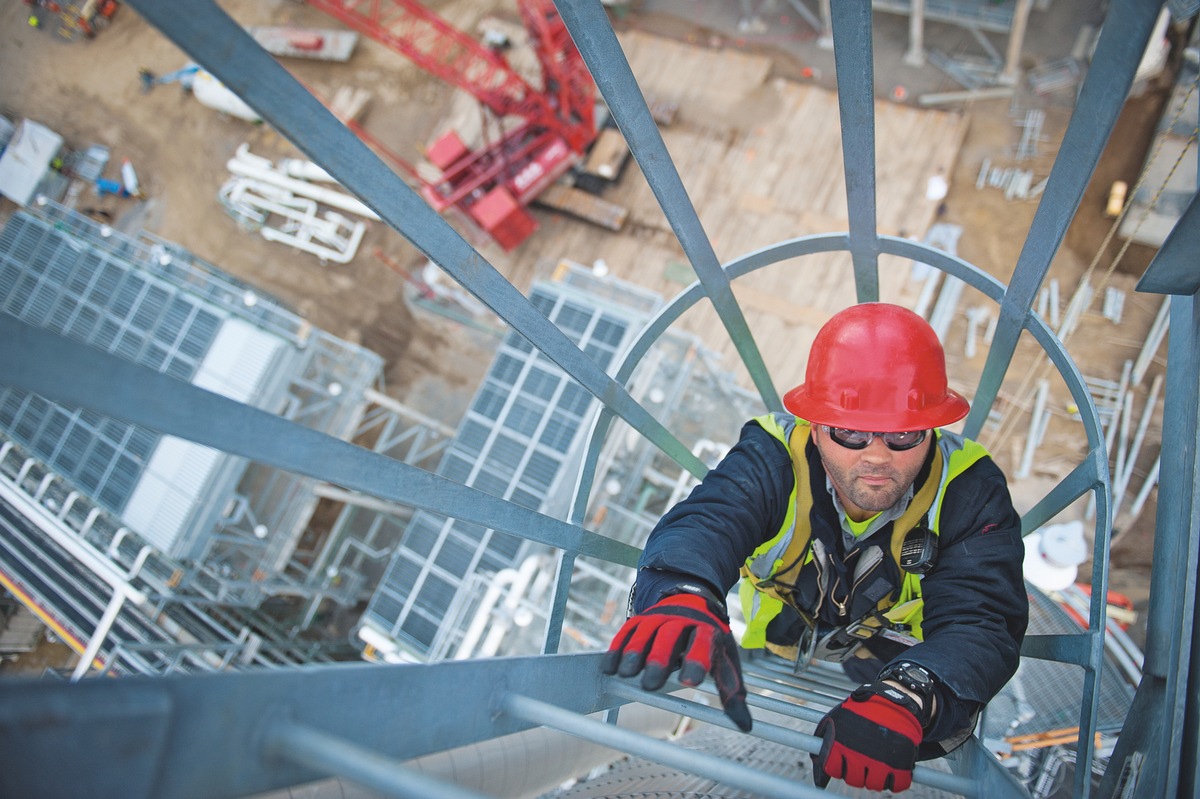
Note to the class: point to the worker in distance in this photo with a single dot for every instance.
(857, 532)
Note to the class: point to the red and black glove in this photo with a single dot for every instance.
(871, 740)
(688, 632)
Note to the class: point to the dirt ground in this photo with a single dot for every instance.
(89, 91)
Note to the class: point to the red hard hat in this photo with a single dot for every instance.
(876, 367)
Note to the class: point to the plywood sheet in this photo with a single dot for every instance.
(761, 161)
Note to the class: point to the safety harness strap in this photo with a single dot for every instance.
(773, 569)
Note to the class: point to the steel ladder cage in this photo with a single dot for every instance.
(162, 737)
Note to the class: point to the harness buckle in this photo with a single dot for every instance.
(861, 630)
(805, 649)
(841, 643)
(838, 645)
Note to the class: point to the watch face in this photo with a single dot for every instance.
(916, 676)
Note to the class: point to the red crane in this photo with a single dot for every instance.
(492, 185)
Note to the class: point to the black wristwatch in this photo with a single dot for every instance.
(915, 678)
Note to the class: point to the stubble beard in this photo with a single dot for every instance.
(870, 498)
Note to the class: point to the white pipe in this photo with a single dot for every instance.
(1135, 448)
(304, 170)
(303, 241)
(251, 197)
(1122, 448)
(117, 538)
(975, 317)
(1153, 340)
(944, 308)
(516, 592)
(1032, 438)
(1151, 480)
(1075, 308)
(384, 645)
(101, 632)
(1122, 387)
(249, 169)
(466, 647)
(400, 409)
(927, 289)
(100, 566)
(1110, 430)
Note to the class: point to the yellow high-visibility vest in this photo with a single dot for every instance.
(781, 559)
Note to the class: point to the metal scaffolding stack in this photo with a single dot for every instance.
(130, 521)
(450, 589)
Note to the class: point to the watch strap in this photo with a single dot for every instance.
(916, 678)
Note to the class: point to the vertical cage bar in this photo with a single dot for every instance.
(1118, 53)
(597, 43)
(852, 52)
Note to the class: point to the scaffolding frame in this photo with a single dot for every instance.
(230, 735)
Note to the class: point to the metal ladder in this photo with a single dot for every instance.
(236, 734)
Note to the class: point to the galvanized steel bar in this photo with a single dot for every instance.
(1161, 730)
(1118, 53)
(714, 715)
(1075, 648)
(201, 737)
(66, 371)
(593, 35)
(775, 733)
(694, 762)
(316, 751)
(558, 604)
(226, 50)
(811, 694)
(1087, 475)
(1173, 270)
(988, 777)
(852, 53)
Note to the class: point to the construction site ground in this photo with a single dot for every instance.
(756, 140)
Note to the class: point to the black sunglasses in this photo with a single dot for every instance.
(860, 439)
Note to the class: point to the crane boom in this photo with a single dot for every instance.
(492, 185)
(447, 52)
(565, 78)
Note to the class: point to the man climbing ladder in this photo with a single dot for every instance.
(862, 534)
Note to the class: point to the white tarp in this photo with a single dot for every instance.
(29, 153)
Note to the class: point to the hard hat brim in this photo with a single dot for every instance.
(952, 408)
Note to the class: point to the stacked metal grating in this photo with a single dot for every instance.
(156, 516)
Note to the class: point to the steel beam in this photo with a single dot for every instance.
(230, 735)
(65, 371)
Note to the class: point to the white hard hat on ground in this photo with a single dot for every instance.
(1053, 554)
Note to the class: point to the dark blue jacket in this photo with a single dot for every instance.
(976, 607)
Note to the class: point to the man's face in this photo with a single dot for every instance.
(872, 479)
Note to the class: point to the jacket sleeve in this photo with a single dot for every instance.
(976, 606)
(707, 536)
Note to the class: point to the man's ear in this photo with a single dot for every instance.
(816, 434)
